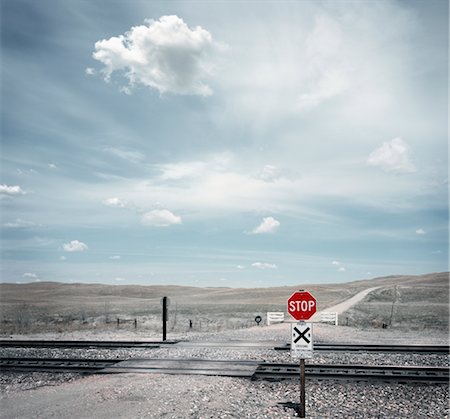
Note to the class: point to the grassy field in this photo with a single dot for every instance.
(415, 301)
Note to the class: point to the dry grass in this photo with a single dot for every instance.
(415, 303)
(419, 301)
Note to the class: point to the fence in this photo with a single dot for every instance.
(275, 317)
(329, 317)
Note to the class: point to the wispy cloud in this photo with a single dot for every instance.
(20, 224)
(264, 265)
(75, 246)
(165, 55)
(132, 156)
(327, 70)
(115, 257)
(393, 156)
(335, 262)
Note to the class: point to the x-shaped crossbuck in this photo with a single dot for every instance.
(301, 335)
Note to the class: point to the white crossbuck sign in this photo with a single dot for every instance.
(302, 340)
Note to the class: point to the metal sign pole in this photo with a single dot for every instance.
(164, 317)
(302, 410)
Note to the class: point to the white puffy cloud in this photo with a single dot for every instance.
(29, 275)
(75, 246)
(119, 279)
(19, 223)
(164, 54)
(52, 166)
(264, 265)
(392, 156)
(11, 190)
(160, 218)
(89, 71)
(114, 202)
(421, 231)
(268, 225)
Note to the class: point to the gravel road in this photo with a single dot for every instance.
(39, 395)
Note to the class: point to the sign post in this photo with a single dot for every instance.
(165, 302)
(301, 306)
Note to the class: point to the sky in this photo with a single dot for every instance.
(236, 144)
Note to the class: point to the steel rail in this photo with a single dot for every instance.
(82, 344)
(266, 371)
(55, 364)
(350, 347)
(384, 373)
(326, 347)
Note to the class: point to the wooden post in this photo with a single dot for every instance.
(301, 410)
(164, 317)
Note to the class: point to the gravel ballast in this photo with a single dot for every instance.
(42, 395)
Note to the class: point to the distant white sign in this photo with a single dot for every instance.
(302, 340)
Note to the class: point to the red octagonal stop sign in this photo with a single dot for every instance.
(301, 305)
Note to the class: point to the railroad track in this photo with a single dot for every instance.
(343, 347)
(55, 364)
(362, 373)
(82, 344)
(249, 369)
(325, 347)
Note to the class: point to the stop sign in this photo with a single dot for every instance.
(301, 305)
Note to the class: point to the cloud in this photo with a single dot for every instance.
(90, 71)
(165, 55)
(19, 223)
(29, 275)
(392, 156)
(75, 246)
(62, 258)
(160, 218)
(119, 279)
(335, 262)
(114, 257)
(272, 173)
(114, 202)
(264, 265)
(132, 156)
(11, 190)
(268, 225)
(341, 269)
(240, 267)
(421, 231)
(326, 68)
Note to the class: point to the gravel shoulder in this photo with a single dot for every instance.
(170, 396)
